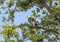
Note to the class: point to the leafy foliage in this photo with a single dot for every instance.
(49, 25)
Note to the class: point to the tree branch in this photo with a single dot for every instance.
(51, 12)
(46, 6)
(52, 30)
(40, 27)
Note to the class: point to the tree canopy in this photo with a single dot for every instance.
(48, 26)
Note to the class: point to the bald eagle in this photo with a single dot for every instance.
(32, 20)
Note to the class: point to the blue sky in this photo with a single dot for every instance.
(20, 17)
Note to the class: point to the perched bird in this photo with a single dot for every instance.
(32, 21)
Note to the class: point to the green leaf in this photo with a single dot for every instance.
(58, 1)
